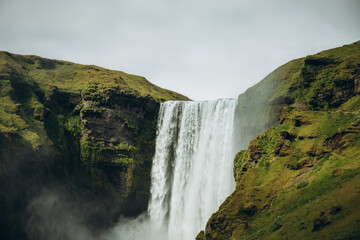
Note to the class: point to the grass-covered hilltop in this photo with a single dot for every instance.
(300, 178)
(73, 131)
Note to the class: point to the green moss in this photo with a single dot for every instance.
(10, 122)
(125, 146)
(291, 192)
(351, 105)
(63, 112)
(241, 158)
(30, 82)
(302, 185)
(123, 161)
(296, 172)
(322, 81)
(74, 126)
(73, 77)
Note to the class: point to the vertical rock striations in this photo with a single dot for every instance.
(84, 132)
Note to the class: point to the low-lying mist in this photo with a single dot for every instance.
(54, 216)
(139, 228)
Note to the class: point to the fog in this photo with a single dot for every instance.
(55, 216)
(137, 229)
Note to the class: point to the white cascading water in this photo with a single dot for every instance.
(192, 167)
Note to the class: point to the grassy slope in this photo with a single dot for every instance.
(25, 79)
(74, 77)
(319, 82)
(28, 82)
(85, 127)
(301, 178)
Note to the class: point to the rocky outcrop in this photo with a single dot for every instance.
(85, 130)
(323, 81)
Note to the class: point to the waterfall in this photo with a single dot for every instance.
(192, 166)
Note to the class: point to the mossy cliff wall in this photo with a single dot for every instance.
(319, 82)
(299, 179)
(86, 131)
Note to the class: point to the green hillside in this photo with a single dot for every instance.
(301, 178)
(86, 130)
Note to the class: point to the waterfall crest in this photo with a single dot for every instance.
(192, 166)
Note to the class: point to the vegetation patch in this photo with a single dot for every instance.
(303, 174)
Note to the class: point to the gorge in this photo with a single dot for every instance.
(78, 147)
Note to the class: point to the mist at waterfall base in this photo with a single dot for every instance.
(192, 171)
(192, 175)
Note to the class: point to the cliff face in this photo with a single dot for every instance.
(85, 130)
(299, 179)
(322, 81)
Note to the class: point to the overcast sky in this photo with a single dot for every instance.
(204, 49)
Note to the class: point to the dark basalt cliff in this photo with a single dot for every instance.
(300, 178)
(83, 133)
